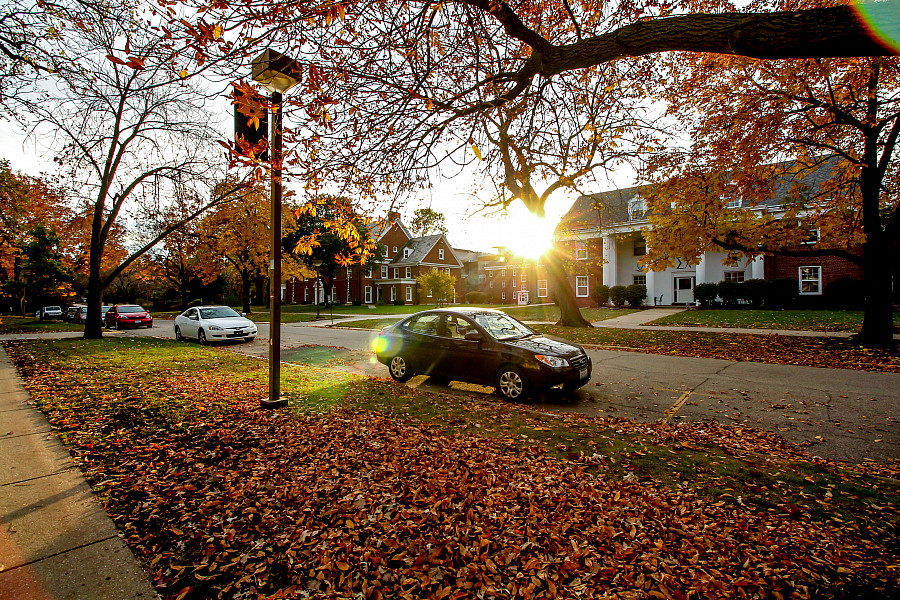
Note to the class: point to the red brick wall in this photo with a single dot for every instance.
(833, 267)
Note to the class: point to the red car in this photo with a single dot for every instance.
(128, 315)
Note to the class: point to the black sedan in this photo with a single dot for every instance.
(484, 346)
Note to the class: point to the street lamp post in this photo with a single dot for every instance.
(277, 73)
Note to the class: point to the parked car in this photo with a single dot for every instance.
(72, 312)
(127, 315)
(214, 324)
(81, 315)
(481, 345)
(50, 312)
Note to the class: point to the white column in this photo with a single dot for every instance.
(651, 288)
(758, 268)
(700, 276)
(610, 261)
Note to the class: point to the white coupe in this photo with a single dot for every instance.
(214, 324)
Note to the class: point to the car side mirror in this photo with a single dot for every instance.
(243, 314)
(474, 336)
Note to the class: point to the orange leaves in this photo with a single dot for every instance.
(132, 61)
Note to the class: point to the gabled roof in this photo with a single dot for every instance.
(611, 207)
(419, 249)
(383, 226)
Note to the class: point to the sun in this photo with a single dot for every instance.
(528, 235)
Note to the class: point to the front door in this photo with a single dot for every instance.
(684, 290)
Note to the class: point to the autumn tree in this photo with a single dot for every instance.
(325, 234)
(426, 221)
(820, 136)
(438, 285)
(45, 276)
(237, 234)
(124, 119)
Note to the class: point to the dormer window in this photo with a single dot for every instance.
(406, 252)
(441, 254)
(395, 250)
(732, 201)
(637, 208)
(812, 237)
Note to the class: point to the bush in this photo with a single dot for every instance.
(706, 294)
(636, 293)
(357, 303)
(600, 294)
(729, 292)
(617, 294)
(476, 297)
(399, 302)
(754, 291)
(845, 293)
(782, 293)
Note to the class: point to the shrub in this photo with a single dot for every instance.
(782, 293)
(706, 294)
(617, 294)
(600, 294)
(754, 291)
(636, 293)
(476, 297)
(399, 302)
(845, 293)
(357, 303)
(729, 292)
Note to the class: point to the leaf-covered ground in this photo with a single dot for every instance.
(10, 324)
(830, 352)
(367, 489)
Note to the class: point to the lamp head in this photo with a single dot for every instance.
(275, 71)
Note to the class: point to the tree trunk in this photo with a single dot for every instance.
(93, 326)
(245, 292)
(569, 313)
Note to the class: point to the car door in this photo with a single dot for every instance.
(422, 342)
(191, 323)
(462, 359)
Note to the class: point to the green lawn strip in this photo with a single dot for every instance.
(368, 323)
(550, 313)
(809, 320)
(118, 401)
(839, 353)
(31, 325)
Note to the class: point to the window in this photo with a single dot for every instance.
(368, 294)
(637, 208)
(491, 285)
(441, 254)
(334, 295)
(427, 324)
(735, 276)
(581, 286)
(408, 272)
(447, 270)
(640, 246)
(503, 283)
(428, 295)
(732, 201)
(581, 252)
(409, 293)
(812, 237)
(384, 271)
(306, 294)
(639, 279)
(490, 273)
(515, 282)
(514, 271)
(395, 250)
(348, 272)
(396, 272)
(524, 277)
(502, 272)
(406, 252)
(542, 288)
(393, 294)
(503, 295)
(369, 273)
(810, 280)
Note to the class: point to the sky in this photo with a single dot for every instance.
(482, 231)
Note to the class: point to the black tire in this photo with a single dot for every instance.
(201, 337)
(511, 383)
(250, 339)
(399, 368)
(178, 335)
(115, 325)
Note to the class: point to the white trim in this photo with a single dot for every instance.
(579, 286)
(409, 293)
(542, 288)
(368, 294)
(817, 280)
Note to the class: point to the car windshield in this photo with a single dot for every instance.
(131, 309)
(218, 312)
(502, 327)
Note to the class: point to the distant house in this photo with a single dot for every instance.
(392, 280)
(601, 234)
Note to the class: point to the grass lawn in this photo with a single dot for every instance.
(551, 313)
(810, 320)
(33, 325)
(366, 488)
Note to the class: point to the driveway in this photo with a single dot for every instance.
(838, 414)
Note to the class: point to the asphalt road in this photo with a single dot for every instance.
(838, 414)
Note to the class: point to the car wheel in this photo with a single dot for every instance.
(511, 383)
(201, 337)
(399, 369)
(178, 335)
(249, 339)
(114, 324)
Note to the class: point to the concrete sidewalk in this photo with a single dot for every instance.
(56, 541)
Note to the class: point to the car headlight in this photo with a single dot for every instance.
(216, 328)
(552, 361)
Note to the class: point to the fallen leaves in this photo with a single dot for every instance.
(222, 500)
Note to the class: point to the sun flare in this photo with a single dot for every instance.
(528, 236)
